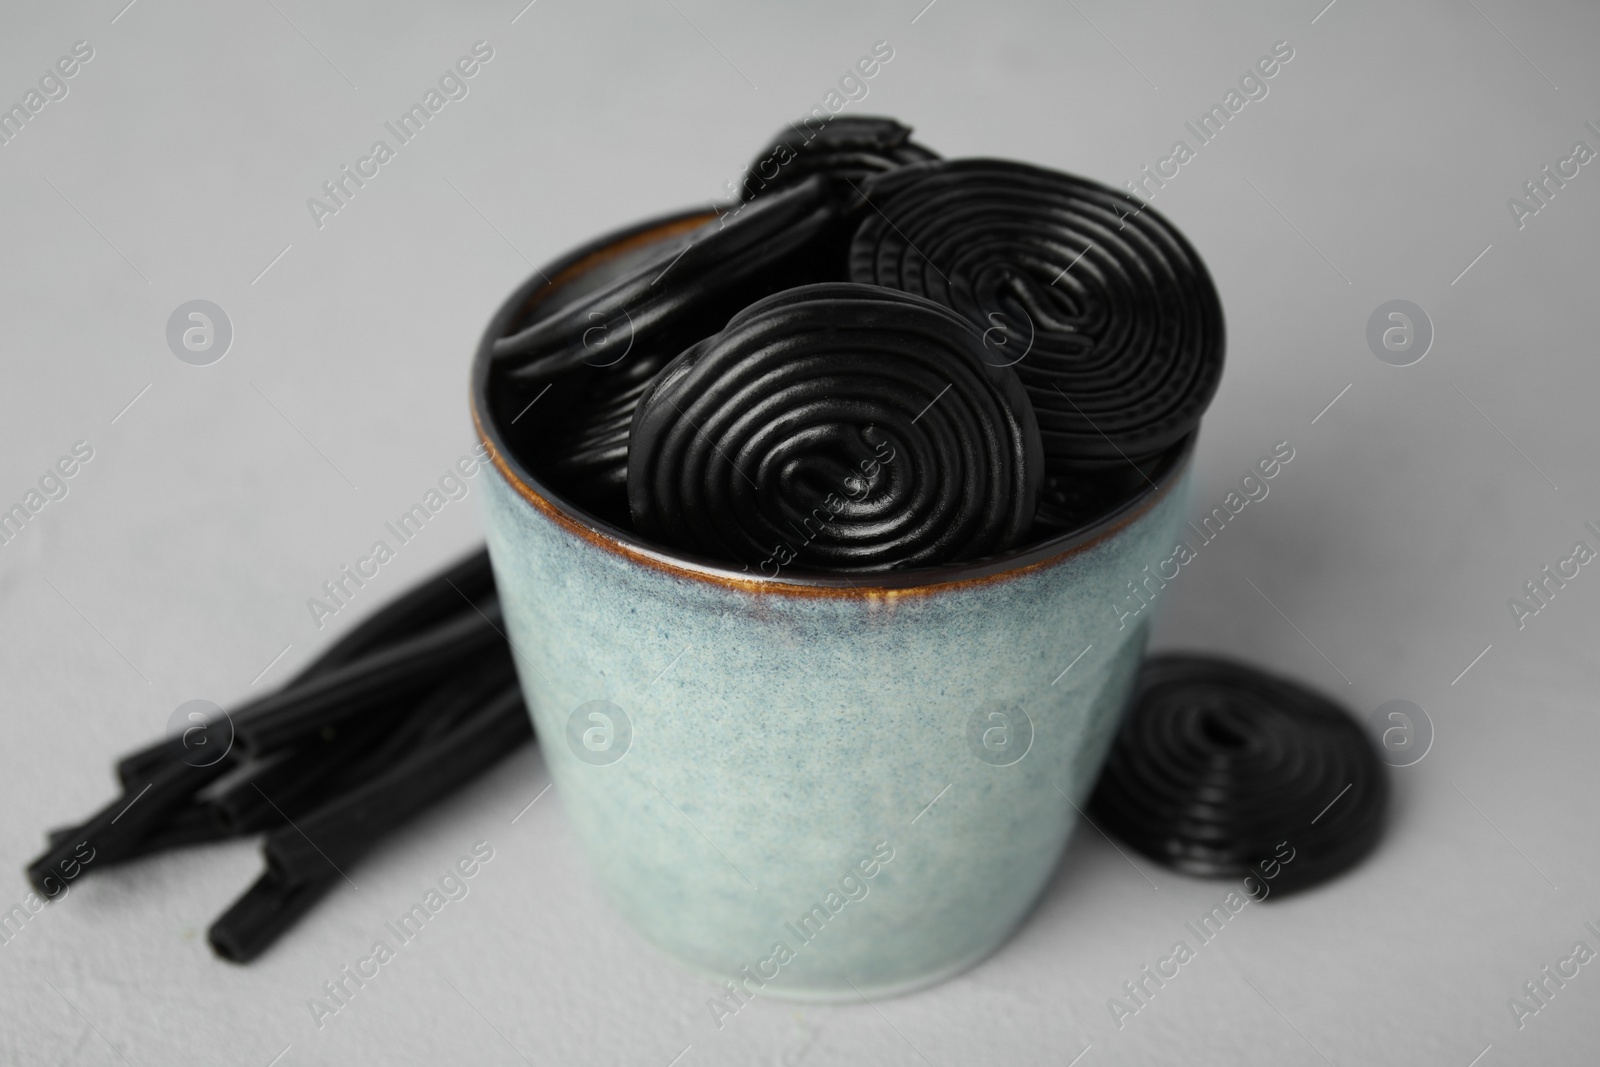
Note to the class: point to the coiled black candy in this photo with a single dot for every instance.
(682, 293)
(573, 429)
(853, 147)
(1116, 325)
(589, 453)
(1218, 765)
(840, 427)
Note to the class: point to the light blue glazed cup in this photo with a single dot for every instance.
(812, 787)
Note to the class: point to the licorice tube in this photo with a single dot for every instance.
(1112, 318)
(114, 832)
(305, 860)
(453, 701)
(355, 689)
(836, 426)
(267, 909)
(189, 825)
(287, 782)
(346, 827)
(282, 784)
(159, 807)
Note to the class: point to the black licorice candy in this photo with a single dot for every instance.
(706, 391)
(685, 291)
(589, 457)
(836, 427)
(1115, 323)
(115, 832)
(851, 147)
(1219, 766)
(314, 772)
(375, 720)
(189, 824)
(305, 860)
(611, 318)
(354, 689)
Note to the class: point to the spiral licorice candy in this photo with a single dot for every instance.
(853, 148)
(589, 454)
(1219, 767)
(839, 427)
(1117, 324)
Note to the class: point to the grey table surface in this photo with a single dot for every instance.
(1380, 165)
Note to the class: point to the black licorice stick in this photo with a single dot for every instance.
(279, 897)
(166, 783)
(345, 828)
(454, 701)
(292, 781)
(304, 861)
(282, 784)
(114, 832)
(267, 909)
(354, 689)
(136, 768)
(432, 601)
(191, 825)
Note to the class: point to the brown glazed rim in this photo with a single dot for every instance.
(920, 581)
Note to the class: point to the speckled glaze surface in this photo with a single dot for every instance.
(806, 787)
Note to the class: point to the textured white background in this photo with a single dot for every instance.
(179, 565)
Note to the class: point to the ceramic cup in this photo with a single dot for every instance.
(802, 786)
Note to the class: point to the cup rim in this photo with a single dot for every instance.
(636, 549)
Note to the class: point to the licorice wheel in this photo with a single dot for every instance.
(1218, 764)
(684, 292)
(589, 454)
(1116, 323)
(840, 427)
(853, 148)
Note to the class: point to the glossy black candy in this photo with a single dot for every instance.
(1218, 763)
(310, 856)
(574, 428)
(686, 291)
(589, 453)
(1112, 317)
(851, 147)
(840, 427)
